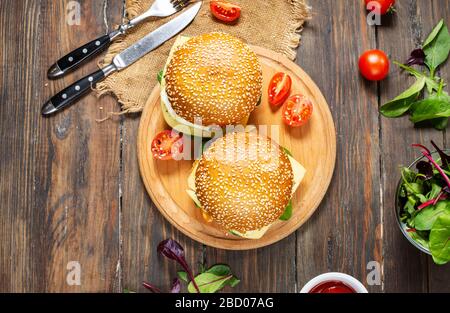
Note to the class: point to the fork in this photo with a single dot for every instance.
(159, 8)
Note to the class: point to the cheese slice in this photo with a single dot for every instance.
(299, 173)
(252, 234)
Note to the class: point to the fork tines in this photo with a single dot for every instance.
(179, 4)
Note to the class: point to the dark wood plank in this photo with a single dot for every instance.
(405, 268)
(61, 176)
(59, 185)
(144, 227)
(434, 11)
(268, 269)
(345, 232)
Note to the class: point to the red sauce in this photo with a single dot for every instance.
(332, 287)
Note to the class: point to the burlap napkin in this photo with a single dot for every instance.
(274, 24)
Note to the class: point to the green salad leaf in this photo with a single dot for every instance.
(211, 283)
(424, 199)
(440, 239)
(434, 192)
(219, 270)
(420, 239)
(211, 280)
(438, 49)
(425, 219)
(287, 212)
(183, 276)
(435, 106)
(401, 104)
(433, 34)
(430, 105)
(287, 151)
(160, 76)
(440, 123)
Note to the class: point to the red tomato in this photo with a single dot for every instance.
(166, 145)
(297, 111)
(225, 11)
(374, 65)
(279, 88)
(385, 6)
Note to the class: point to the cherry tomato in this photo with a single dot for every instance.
(279, 88)
(297, 111)
(166, 145)
(374, 65)
(385, 6)
(225, 11)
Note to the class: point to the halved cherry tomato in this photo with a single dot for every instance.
(225, 11)
(374, 65)
(279, 88)
(297, 111)
(166, 145)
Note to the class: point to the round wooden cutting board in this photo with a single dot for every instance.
(313, 145)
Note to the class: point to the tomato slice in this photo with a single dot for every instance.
(167, 145)
(279, 88)
(225, 11)
(297, 111)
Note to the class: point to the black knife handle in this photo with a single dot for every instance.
(70, 94)
(78, 56)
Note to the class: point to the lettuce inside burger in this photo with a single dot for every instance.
(214, 77)
(244, 183)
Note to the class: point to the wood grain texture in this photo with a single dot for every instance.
(432, 13)
(143, 227)
(345, 233)
(400, 35)
(59, 185)
(313, 145)
(71, 191)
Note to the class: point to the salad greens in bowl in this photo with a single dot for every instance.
(423, 203)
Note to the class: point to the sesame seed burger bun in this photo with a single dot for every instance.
(244, 181)
(216, 77)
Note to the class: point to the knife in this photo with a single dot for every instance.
(122, 60)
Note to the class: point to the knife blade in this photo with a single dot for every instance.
(155, 39)
(122, 60)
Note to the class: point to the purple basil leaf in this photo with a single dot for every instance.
(428, 155)
(417, 57)
(176, 286)
(174, 251)
(426, 169)
(445, 159)
(151, 287)
(171, 249)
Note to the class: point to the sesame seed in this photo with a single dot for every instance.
(216, 77)
(244, 181)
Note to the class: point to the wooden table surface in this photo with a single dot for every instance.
(70, 188)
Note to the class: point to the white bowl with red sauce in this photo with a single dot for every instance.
(334, 283)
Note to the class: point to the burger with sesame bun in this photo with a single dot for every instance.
(244, 182)
(211, 80)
